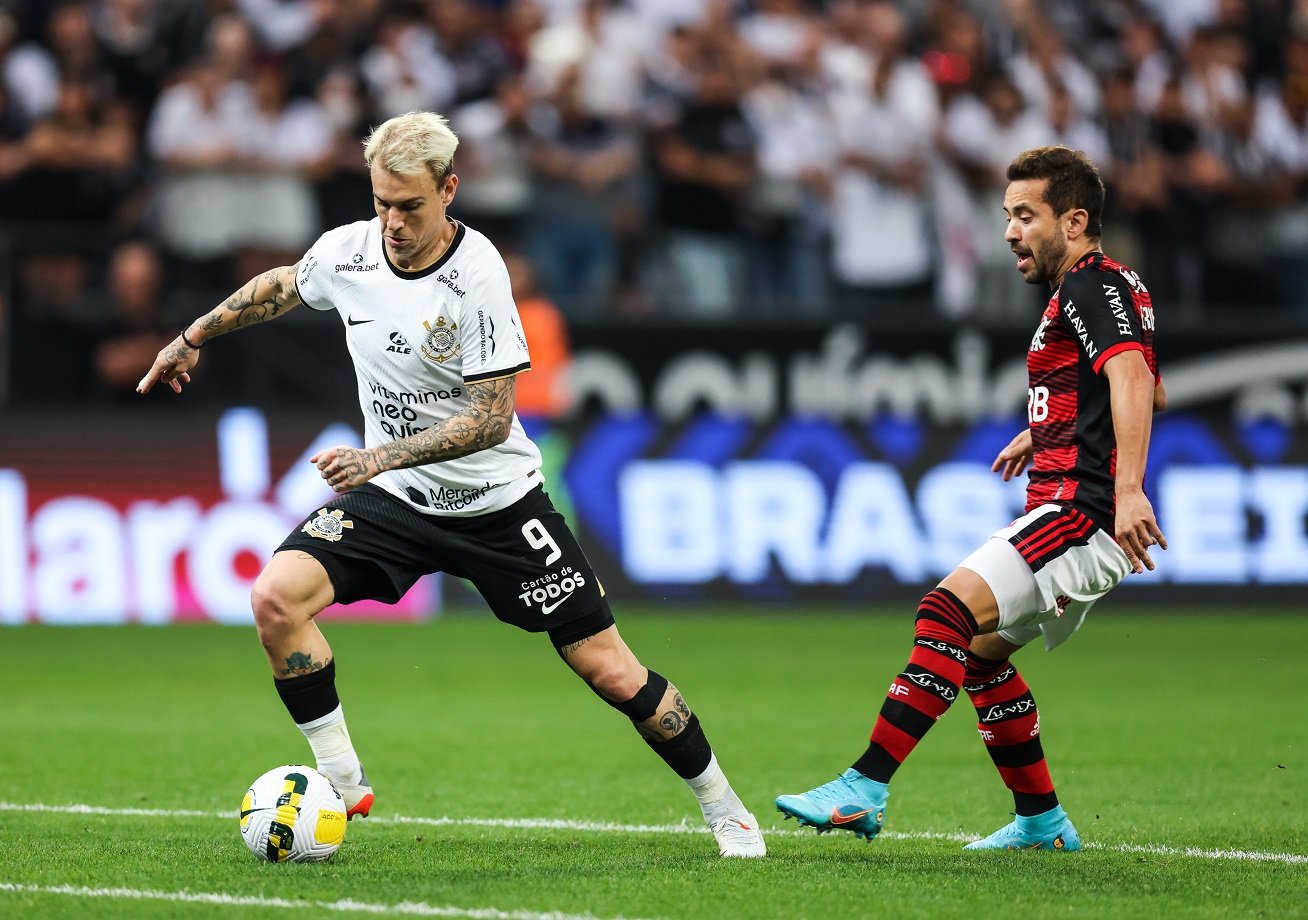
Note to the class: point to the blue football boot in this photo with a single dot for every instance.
(850, 802)
(1051, 830)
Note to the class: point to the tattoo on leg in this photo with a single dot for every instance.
(681, 706)
(672, 722)
(301, 663)
(573, 646)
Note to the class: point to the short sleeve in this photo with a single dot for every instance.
(1098, 310)
(492, 338)
(312, 281)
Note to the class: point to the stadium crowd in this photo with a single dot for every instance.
(691, 159)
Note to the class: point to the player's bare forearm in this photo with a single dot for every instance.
(260, 299)
(271, 294)
(484, 423)
(1131, 392)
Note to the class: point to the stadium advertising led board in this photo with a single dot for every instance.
(153, 519)
(706, 473)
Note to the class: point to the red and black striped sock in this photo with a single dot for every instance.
(1009, 723)
(925, 688)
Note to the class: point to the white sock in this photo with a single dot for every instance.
(330, 741)
(715, 795)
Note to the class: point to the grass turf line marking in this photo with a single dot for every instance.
(405, 908)
(685, 827)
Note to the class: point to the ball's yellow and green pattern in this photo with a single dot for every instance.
(293, 813)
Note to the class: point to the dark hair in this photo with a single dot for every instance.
(1073, 182)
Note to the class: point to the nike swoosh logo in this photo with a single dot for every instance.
(838, 819)
(550, 608)
(358, 322)
(249, 811)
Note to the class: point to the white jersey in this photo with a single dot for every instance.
(417, 340)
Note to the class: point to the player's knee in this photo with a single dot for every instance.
(941, 612)
(616, 679)
(277, 610)
(637, 699)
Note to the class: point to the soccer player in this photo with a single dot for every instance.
(1094, 385)
(448, 480)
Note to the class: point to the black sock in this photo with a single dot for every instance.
(688, 754)
(310, 696)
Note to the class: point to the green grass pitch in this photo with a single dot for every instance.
(506, 790)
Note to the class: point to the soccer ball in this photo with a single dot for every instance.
(293, 814)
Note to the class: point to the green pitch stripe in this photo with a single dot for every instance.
(405, 908)
(685, 827)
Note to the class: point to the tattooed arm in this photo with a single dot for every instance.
(485, 422)
(260, 299)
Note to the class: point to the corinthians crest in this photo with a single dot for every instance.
(442, 341)
(328, 525)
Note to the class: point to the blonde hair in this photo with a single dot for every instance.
(412, 142)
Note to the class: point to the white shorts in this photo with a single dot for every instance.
(1046, 570)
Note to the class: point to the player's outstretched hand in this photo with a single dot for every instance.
(1012, 460)
(1137, 530)
(346, 468)
(170, 366)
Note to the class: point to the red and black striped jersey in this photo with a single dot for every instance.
(1101, 309)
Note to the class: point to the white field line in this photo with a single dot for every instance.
(684, 827)
(403, 908)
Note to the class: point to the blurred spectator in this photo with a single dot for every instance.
(340, 176)
(882, 257)
(31, 76)
(495, 144)
(787, 209)
(979, 140)
(1134, 173)
(51, 358)
(475, 58)
(1072, 127)
(780, 31)
(543, 392)
(337, 44)
(583, 170)
(605, 48)
(1045, 65)
(284, 24)
(76, 50)
(403, 69)
(1143, 51)
(1281, 123)
(704, 165)
(1175, 255)
(286, 141)
(1253, 190)
(135, 52)
(194, 138)
(135, 326)
(80, 162)
(713, 158)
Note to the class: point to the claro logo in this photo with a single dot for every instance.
(91, 557)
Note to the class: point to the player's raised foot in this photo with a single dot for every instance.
(850, 802)
(358, 797)
(738, 835)
(1051, 830)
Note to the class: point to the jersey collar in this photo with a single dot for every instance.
(459, 232)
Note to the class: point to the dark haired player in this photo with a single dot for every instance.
(448, 481)
(1094, 386)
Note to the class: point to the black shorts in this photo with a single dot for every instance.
(523, 559)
